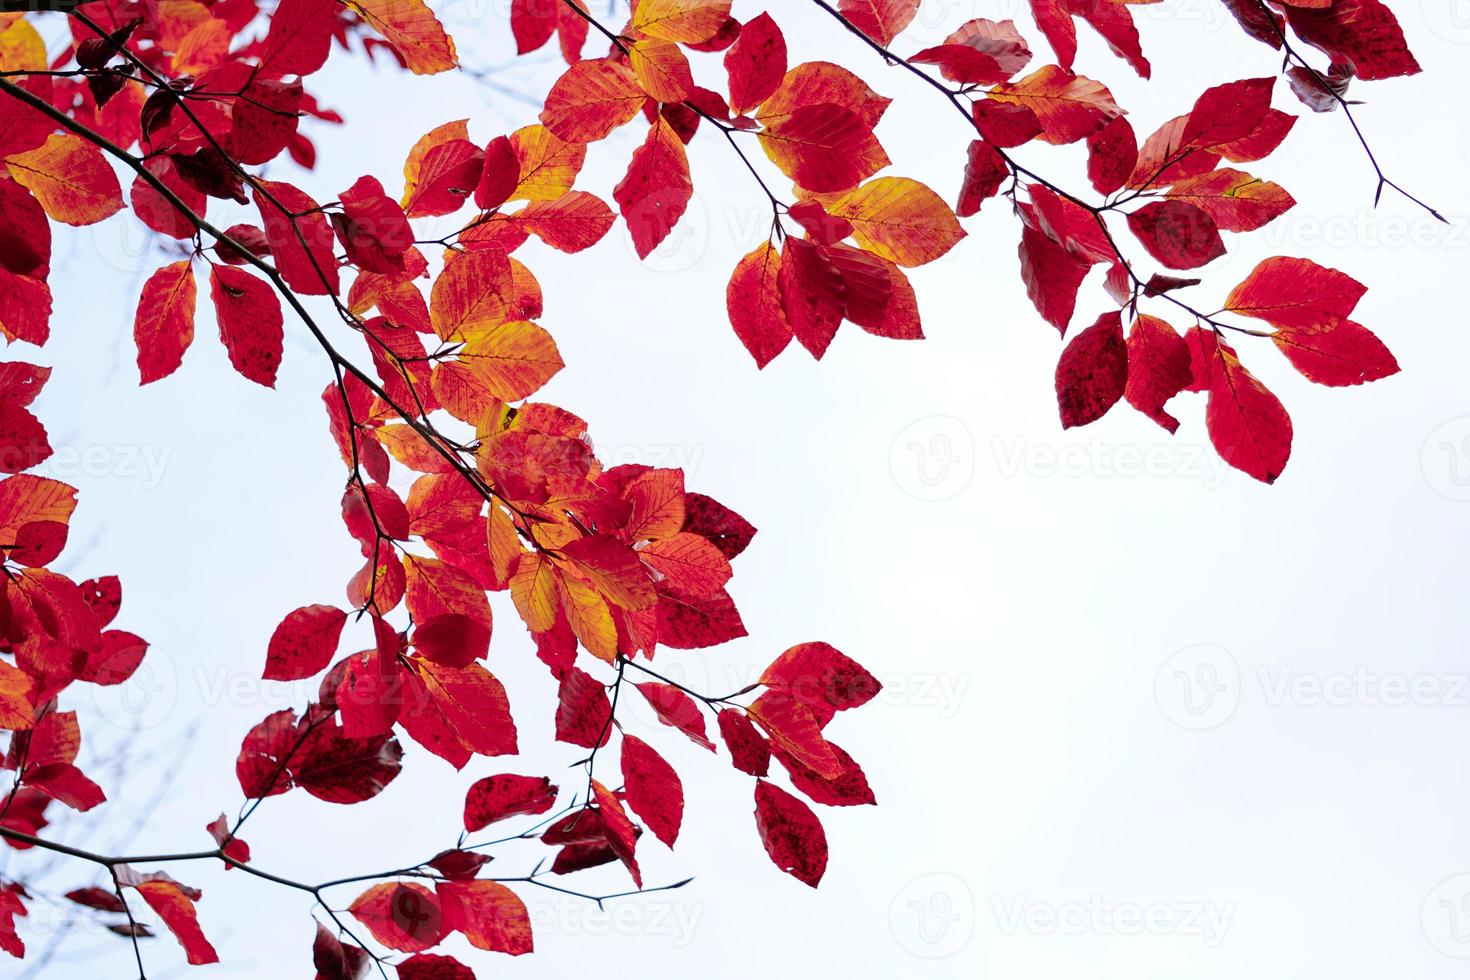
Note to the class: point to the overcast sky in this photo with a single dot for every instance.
(1144, 717)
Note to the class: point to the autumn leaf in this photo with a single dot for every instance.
(163, 328)
(684, 21)
(901, 220)
(413, 30)
(792, 834)
(498, 797)
(1336, 353)
(70, 179)
(1295, 293)
(755, 63)
(304, 643)
(654, 790)
(655, 191)
(1068, 107)
(250, 324)
(402, 915)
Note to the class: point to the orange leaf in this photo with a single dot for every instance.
(413, 30)
(70, 178)
(164, 326)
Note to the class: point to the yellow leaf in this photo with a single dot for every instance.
(900, 219)
(514, 359)
(549, 165)
(533, 590)
(686, 21)
(70, 178)
(589, 617)
(21, 48)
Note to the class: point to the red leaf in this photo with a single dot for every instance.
(234, 848)
(811, 294)
(691, 623)
(1158, 368)
(448, 174)
(583, 712)
(756, 63)
(1227, 112)
(431, 966)
(502, 174)
(23, 441)
(749, 752)
(303, 643)
(1092, 372)
(881, 20)
(1337, 353)
(677, 710)
(1112, 153)
(791, 833)
(653, 789)
(985, 170)
(164, 326)
(1247, 424)
(299, 37)
(338, 769)
(97, 898)
(263, 763)
(1295, 293)
(1052, 276)
(372, 227)
(157, 211)
(335, 960)
(174, 904)
(753, 301)
(497, 797)
(401, 915)
(488, 914)
(655, 191)
(1179, 235)
(622, 836)
(250, 324)
(848, 788)
(307, 262)
(821, 678)
(712, 520)
(1363, 33)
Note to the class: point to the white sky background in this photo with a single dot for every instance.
(1028, 755)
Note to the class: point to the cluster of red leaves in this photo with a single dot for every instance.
(858, 231)
(456, 486)
(56, 632)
